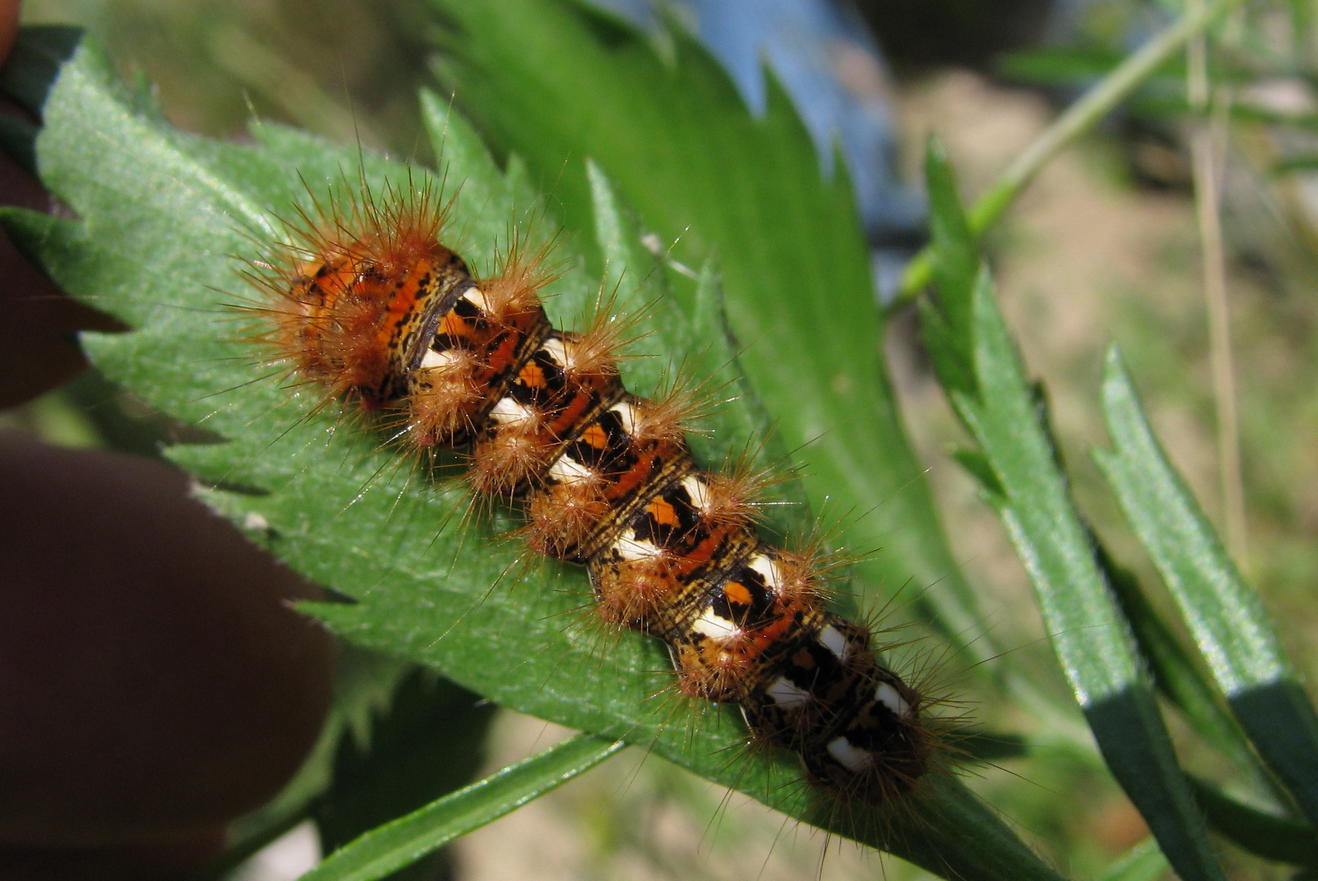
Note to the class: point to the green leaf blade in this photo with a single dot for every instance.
(403, 841)
(1174, 667)
(1224, 615)
(1090, 637)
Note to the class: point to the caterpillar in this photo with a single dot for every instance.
(295, 487)
(368, 304)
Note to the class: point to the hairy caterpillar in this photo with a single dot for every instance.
(157, 248)
(370, 304)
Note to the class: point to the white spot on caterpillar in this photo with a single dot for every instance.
(787, 694)
(557, 350)
(569, 470)
(698, 491)
(433, 360)
(892, 699)
(715, 626)
(476, 297)
(834, 641)
(509, 412)
(627, 416)
(852, 758)
(767, 569)
(632, 549)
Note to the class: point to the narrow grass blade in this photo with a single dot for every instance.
(1225, 616)
(977, 363)
(407, 839)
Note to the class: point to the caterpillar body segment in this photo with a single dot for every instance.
(372, 306)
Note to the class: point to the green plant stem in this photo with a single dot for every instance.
(1079, 118)
(1207, 136)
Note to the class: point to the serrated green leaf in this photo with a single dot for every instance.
(1001, 411)
(956, 262)
(1225, 616)
(976, 465)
